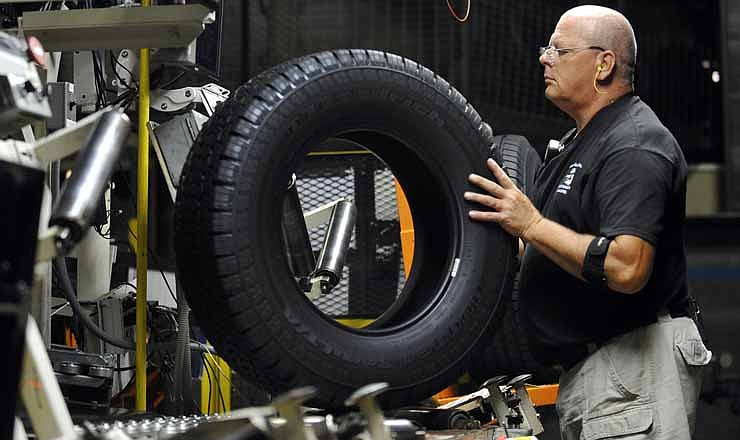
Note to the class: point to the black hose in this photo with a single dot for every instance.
(61, 269)
(183, 381)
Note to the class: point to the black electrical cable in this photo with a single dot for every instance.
(122, 81)
(69, 293)
(210, 386)
(125, 284)
(99, 81)
(164, 278)
(170, 82)
(129, 368)
(125, 96)
(220, 394)
(212, 368)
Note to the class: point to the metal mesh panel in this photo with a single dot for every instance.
(386, 208)
(373, 275)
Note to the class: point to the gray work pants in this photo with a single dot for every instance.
(643, 384)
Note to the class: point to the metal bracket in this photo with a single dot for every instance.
(288, 406)
(173, 100)
(85, 94)
(321, 215)
(126, 68)
(213, 95)
(364, 398)
(172, 141)
(497, 398)
(100, 28)
(40, 391)
(66, 141)
(469, 401)
(526, 407)
(18, 152)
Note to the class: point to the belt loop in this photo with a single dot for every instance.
(664, 316)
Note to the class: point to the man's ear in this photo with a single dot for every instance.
(605, 64)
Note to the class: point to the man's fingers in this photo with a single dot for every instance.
(482, 199)
(500, 174)
(488, 185)
(486, 216)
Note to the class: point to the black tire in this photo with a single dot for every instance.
(509, 352)
(228, 244)
(517, 157)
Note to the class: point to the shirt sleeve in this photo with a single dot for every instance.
(631, 194)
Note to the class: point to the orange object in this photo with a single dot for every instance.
(69, 338)
(446, 393)
(541, 395)
(457, 17)
(407, 229)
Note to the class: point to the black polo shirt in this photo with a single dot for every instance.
(624, 173)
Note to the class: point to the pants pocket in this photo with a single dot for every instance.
(632, 424)
(691, 356)
(619, 379)
(694, 352)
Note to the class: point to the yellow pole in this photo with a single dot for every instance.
(142, 213)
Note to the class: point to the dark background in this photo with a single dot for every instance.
(492, 58)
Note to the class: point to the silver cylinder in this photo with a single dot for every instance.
(69, 368)
(99, 371)
(82, 192)
(334, 251)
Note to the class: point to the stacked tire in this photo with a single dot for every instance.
(508, 351)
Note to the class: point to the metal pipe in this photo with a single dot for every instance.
(142, 212)
(334, 251)
(75, 206)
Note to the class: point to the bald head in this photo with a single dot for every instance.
(607, 28)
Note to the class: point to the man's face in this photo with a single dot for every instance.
(569, 76)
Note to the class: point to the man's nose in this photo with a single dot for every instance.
(544, 60)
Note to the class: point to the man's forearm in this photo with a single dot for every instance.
(562, 245)
(629, 259)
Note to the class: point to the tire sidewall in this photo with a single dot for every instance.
(449, 150)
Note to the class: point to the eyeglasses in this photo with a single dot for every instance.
(552, 53)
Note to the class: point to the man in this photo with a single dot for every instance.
(603, 275)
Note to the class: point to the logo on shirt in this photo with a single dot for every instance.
(565, 185)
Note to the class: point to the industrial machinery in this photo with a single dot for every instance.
(24, 101)
(89, 119)
(97, 140)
